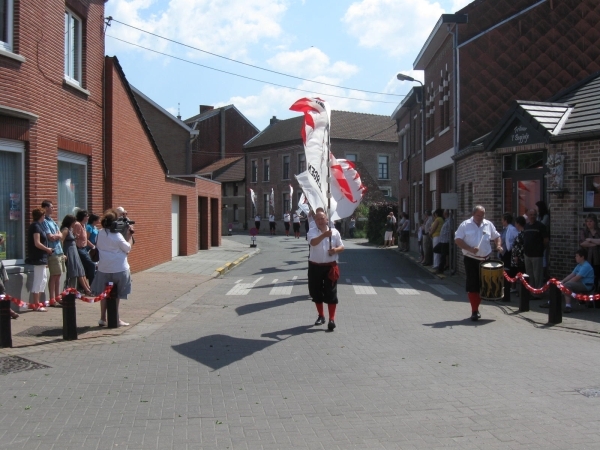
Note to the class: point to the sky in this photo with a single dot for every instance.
(212, 52)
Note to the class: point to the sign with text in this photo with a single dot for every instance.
(521, 134)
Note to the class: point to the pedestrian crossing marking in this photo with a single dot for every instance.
(401, 280)
(442, 289)
(242, 288)
(404, 289)
(283, 288)
(363, 288)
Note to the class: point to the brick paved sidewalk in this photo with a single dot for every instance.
(152, 290)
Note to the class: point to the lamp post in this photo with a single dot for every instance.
(403, 77)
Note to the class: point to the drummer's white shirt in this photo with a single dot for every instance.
(473, 236)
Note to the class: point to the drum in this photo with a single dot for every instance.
(491, 276)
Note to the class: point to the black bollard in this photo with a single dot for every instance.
(112, 318)
(5, 331)
(524, 296)
(555, 309)
(69, 314)
(506, 297)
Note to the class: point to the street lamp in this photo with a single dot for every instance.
(403, 77)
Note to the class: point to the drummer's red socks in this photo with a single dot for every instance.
(475, 300)
(331, 308)
(320, 309)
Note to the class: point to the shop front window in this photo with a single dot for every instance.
(72, 183)
(12, 216)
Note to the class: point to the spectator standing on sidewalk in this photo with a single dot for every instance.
(82, 242)
(56, 261)
(352, 227)
(434, 233)
(473, 237)
(427, 242)
(390, 226)
(535, 239)
(509, 234)
(37, 255)
(445, 236)
(75, 270)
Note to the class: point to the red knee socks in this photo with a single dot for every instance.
(475, 300)
(331, 308)
(320, 309)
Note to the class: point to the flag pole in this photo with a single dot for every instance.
(329, 180)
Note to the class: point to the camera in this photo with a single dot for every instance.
(121, 225)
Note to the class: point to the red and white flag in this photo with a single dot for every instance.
(315, 136)
(272, 200)
(291, 197)
(253, 197)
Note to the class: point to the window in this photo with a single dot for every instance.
(383, 167)
(266, 169)
(446, 112)
(591, 192)
(236, 213)
(6, 25)
(72, 182)
(12, 190)
(430, 117)
(286, 167)
(387, 191)
(301, 162)
(351, 157)
(266, 206)
(235, 190)
(286, 202)
(72, 48)
(404, 145)
(253, 171)
(223, 190)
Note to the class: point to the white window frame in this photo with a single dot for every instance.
(74, 158)
(73, 49)
(387, 189)
(17, 147)
(388, 167)
(349, 157)
(7, 44)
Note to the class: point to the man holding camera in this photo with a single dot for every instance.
(122, 217)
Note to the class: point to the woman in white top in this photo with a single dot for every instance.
(112, 266)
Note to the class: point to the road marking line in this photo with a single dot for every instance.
(400, 280)
(243, 288)
(442, 289)
(405, 289)
(283, 288)
(363, 288)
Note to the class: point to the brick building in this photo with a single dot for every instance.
(175, 214)
(51, 104)
(490, 53)
(548, 147)
(221, 133)
(230, 172)
(277, 153)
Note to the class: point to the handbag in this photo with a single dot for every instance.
(94, 254)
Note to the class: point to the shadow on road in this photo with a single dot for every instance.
(219, 350)
(465, 323)
(256, 307)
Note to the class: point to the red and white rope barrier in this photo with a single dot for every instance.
(554, 281)
(53, 301)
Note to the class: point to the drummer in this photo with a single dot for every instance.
(474, 237)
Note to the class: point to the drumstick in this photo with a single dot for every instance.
(479, 245)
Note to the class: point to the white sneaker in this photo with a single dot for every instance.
(102, 323)
(123, 324)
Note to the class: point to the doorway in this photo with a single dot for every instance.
(522, 182)
(174, 226)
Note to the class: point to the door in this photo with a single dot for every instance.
(174, 225)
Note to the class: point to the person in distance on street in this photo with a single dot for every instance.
(296, 225)
(323, 270)
(474, 236)
(272, 224)
(286, 223)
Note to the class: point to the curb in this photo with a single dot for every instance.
(230, 265)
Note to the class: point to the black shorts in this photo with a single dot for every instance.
(296, 227)
(286, 225)
(271, 225)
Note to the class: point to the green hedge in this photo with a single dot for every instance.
(377, 220)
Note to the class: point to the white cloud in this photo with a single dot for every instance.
(221, 27)
(396, 26)
(307, 63)
(459, 4)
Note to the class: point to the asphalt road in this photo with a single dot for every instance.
(242, 367)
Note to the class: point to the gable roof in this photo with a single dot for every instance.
(138, 111)
(213, 112)
(344, 125)
(166, 113)
(571, 114)
(226, 169)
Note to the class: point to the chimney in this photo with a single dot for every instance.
(274, 119)
(204, 108)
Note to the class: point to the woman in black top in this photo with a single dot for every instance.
(38, 251)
